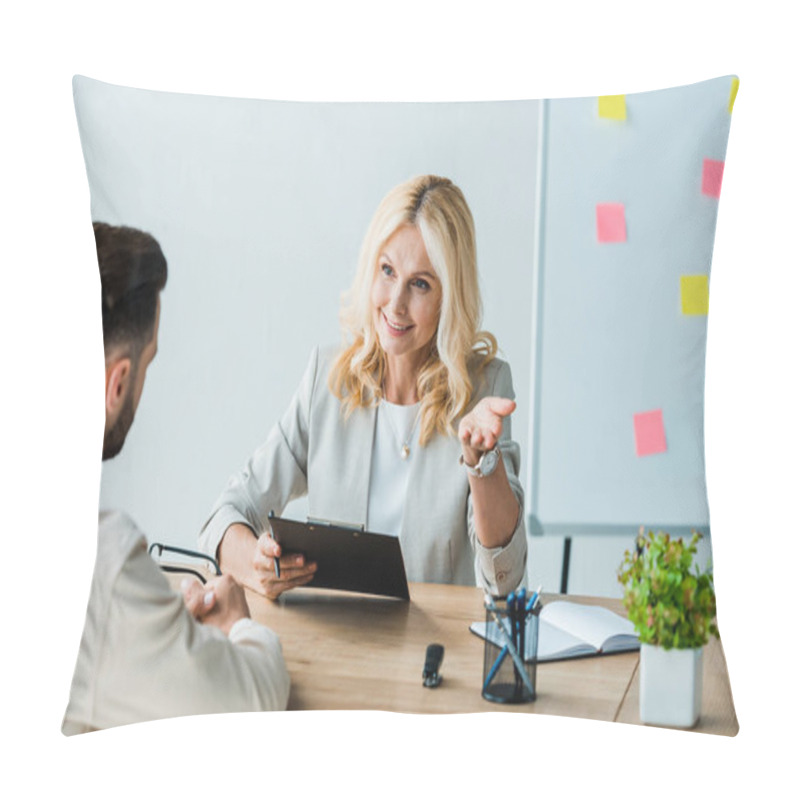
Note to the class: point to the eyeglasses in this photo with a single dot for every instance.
(157, 550)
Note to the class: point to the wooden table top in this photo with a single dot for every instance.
(346, 651)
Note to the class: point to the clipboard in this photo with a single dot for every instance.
(349, 559)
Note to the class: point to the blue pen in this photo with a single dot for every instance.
(513, 607)
(504, 652)
(496, 666)
(521, 617)
(510, 603)
(529, 608)
(508, 649)
(534, 598)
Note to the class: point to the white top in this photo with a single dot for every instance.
(395, 427)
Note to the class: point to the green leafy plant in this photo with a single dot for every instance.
(669, 604)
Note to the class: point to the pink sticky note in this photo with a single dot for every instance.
(611, 222)
(712, 177)
(649, 431)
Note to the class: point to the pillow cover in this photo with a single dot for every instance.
(595, 223)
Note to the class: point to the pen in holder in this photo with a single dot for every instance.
(511, 644)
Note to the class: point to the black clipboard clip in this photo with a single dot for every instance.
(329, 523)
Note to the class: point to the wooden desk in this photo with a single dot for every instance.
(349, 652)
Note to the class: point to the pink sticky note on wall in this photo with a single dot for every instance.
(712, 177)
(648, 429)
(611, 222)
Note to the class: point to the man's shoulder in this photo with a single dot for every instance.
(117, 538)
(119, 525)
(125, 568)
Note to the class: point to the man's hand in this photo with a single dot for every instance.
(197, 599)
(220, 602)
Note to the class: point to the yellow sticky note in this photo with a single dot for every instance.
(612, 106)
(734, 92)
(694, 294)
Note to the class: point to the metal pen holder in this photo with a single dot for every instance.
(509, 656)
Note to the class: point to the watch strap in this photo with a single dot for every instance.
(476, 471)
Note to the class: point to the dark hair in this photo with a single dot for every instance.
(133, 271)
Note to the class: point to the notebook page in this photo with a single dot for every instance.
(592, 624)
(555, 643)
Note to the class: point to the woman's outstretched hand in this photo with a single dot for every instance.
(480, 430)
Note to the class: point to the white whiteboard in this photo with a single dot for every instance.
(609, 336)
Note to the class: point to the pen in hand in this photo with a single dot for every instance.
(276, 559)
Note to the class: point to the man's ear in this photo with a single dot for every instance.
(118, 380)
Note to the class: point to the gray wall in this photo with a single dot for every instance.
(260, 208)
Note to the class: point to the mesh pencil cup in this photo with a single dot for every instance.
(509, 654)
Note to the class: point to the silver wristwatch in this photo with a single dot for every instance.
(486, 465)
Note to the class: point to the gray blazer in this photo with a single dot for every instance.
(313, 450)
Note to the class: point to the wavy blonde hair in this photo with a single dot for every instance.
(436, 206)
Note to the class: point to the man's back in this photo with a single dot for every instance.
(142, 655)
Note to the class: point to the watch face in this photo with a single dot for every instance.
(488, 462)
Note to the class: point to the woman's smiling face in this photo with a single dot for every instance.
(406, 296)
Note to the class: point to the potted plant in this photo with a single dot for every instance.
(673, 609)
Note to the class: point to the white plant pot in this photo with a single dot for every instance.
(670, 686)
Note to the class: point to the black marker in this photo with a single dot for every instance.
(433, 661)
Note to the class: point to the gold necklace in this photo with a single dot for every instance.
(405, 442)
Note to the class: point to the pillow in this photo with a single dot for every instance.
(595, 224)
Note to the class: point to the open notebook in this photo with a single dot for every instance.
(570, 630)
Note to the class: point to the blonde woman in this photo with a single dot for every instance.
(405, 428)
